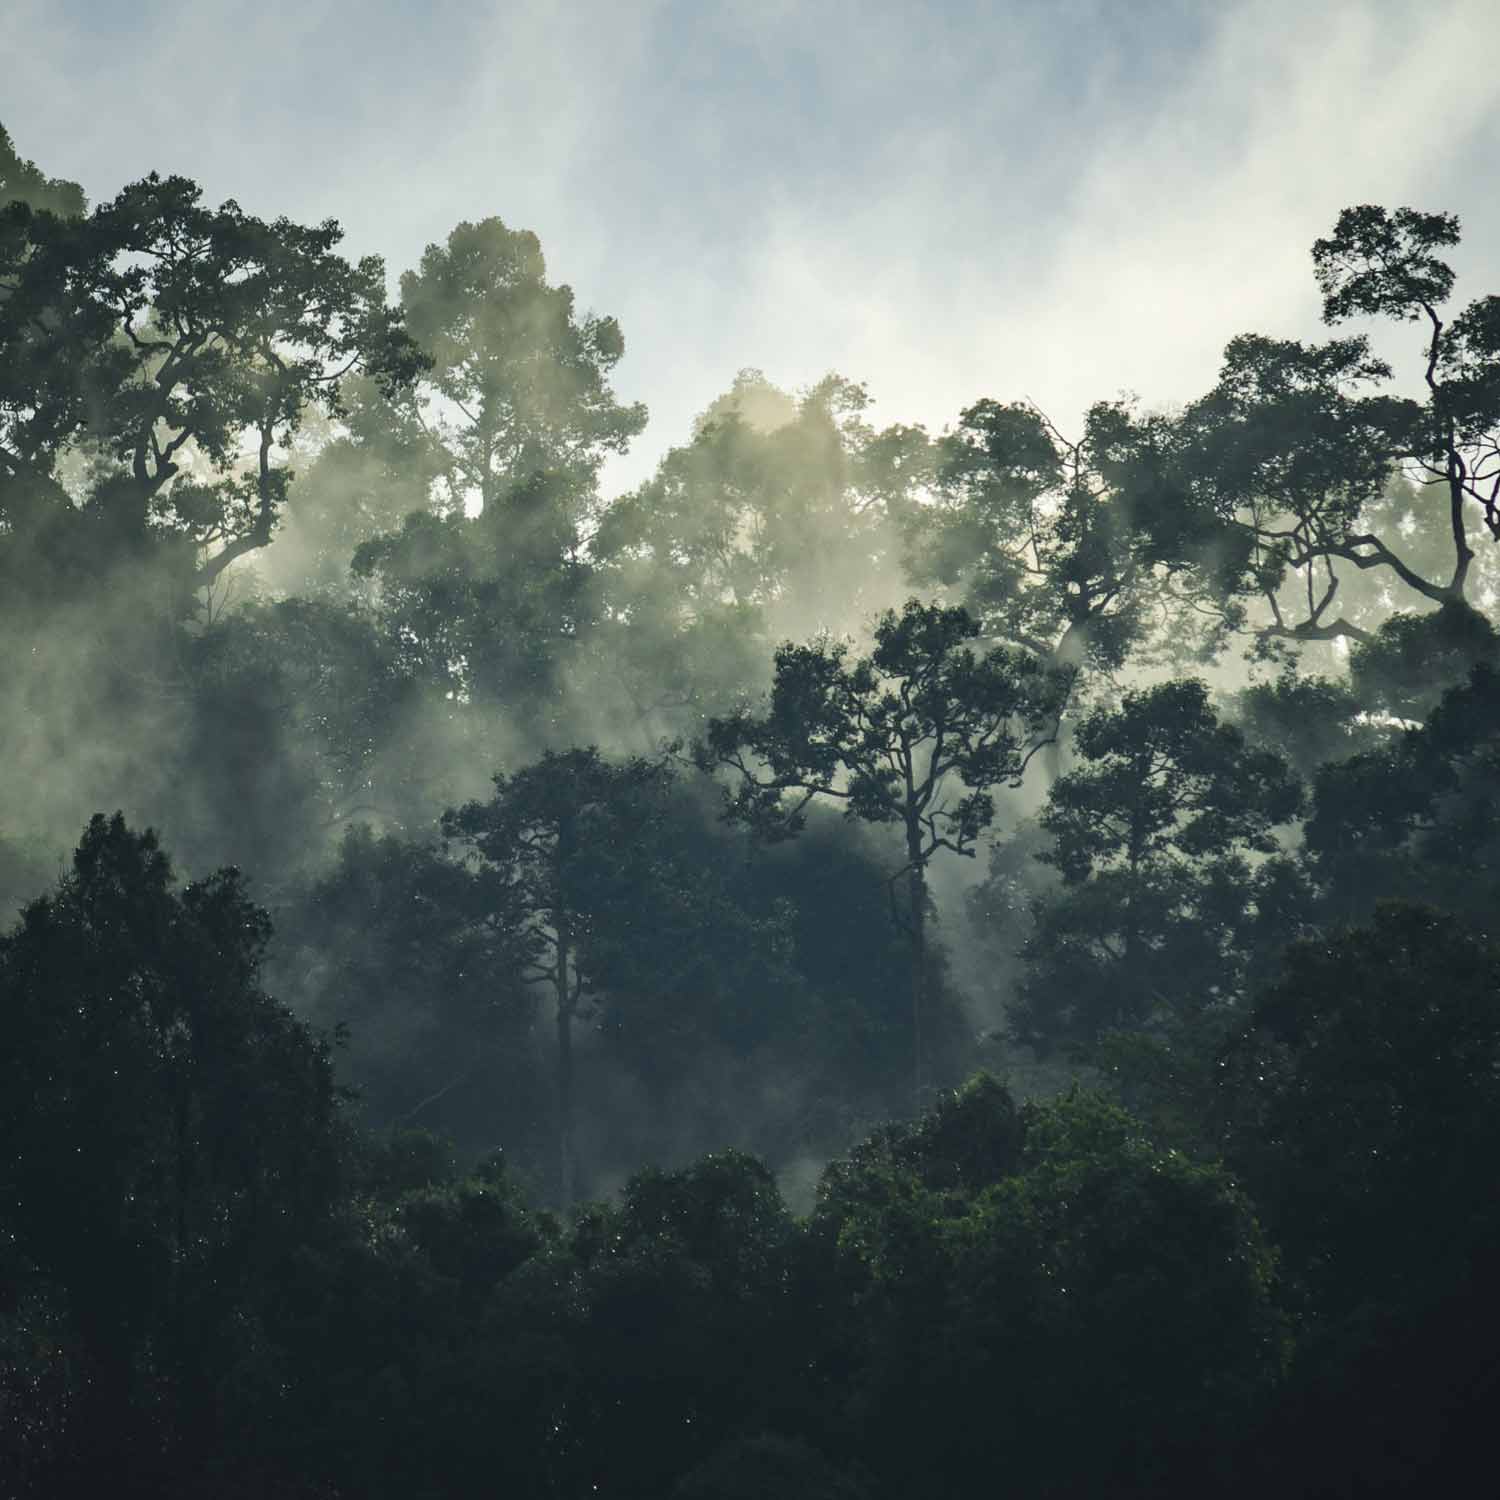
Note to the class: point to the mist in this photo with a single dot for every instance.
(746, 751)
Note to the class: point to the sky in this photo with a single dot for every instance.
(1055, 200)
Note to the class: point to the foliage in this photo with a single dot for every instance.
(1159, 908)
(163, 1117)
(524, 383)
(287, 570)
(163, 339)
(917, 734)
(1041, 536)
(988, 1313)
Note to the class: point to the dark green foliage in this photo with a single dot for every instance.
(917, 735)
(1365, 1100)
(1362, 1108)
(968, 1141)
(1308, 721)
(1419, 819)
(1160, 908)
(418, 959)
(988, 1313)
(157, 338)
(1406, 666)
(163, 1118)
(695, 1304)
(288, 571)
(22, 181)
(1037, 535)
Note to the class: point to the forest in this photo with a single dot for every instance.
(876, 964)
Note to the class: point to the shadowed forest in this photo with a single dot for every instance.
(878, 964)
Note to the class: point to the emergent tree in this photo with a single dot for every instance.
(557, 834)
(918, 734)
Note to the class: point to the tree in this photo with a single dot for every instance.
(359, 477)
(774, 516)
(1360, 1105)
(917, 734)
(1150, 836)
(524, 383)
(1040, 535)
(1307, 720)
(1408, 663)
(176, 347)
(701, 1322)
(418, 958)
(564, 837)
(1297, 456)
(1002, 1269)
(490, 609)
(1417, 818)
(167, 1132)
(763, 506)
(22, 181)
(486, 588)
(293, 717)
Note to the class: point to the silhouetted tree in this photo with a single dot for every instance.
(168, 1136)
(1158, 904)
(561, 836)
(917, 734)
(1292, 463)
(1039, 535)
(161, 339)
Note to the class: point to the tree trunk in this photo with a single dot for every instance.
(567, 1161)
(917, 894)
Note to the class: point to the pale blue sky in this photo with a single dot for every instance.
(1049, 198)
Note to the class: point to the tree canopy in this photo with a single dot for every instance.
(585, 1052)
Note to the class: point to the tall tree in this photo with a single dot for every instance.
(1039, 534)
(1296, 458)
(917, 734)
(564, 837)
(167, 1132)
(488, 589)
(523, 381)
(774, 516)
(1158, 904)
(177, 348)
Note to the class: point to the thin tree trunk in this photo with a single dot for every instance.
(567, 1160)
(917, 891)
